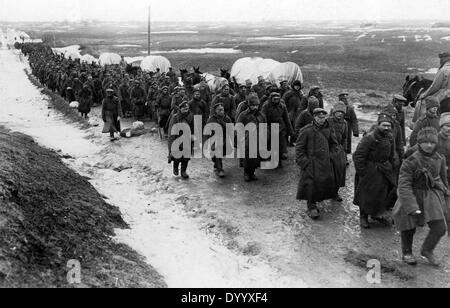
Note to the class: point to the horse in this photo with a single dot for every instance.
(215, 83)
(224, 73)
(196, 76)
(132, 70)
(413, 87)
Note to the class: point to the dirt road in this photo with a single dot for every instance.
(208, 232)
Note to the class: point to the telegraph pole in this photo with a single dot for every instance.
(149, 28)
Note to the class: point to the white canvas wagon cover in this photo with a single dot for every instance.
(151, 63)
(109, 59)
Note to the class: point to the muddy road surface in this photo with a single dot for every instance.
(211, 232)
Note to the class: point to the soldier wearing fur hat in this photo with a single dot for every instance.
(295, 102)
(219, 117)
(85, 101)
(375, 183)
(163, 109)
(260, 87)
(270, 88)
(430, 119)
(284, 87)
(198, 106)
(185, 116)
(444, 140)
(241, 96)
(315, 92)
(124, 97)
(227, 100)
(111, 114)
(352, 121)
(276, 112)
(152, 96)
(138, 100)
(423, 189)
(397, 136)
(399, 102)
(315, 145)
(339, 158)
(307, 116)
(252, 115)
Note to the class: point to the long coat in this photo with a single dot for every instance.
(375, 183)
(339, 158)
(422, 186)
(313, 154)
(199, 107)
(247, 117)
(124, 96)
(138, 99)
(295, 102)
(444, 150)
(305, 118)
(278, 114)
(163, 107)
(85, 100)
(179, 118)
(353, 127)
(441, 84)
(111, 109)
(222, 121)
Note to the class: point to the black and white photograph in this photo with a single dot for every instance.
(224, 145)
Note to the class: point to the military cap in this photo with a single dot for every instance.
(319, 111)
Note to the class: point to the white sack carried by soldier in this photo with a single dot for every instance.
(74, 105)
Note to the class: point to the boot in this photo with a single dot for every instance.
(184, 166)
(176, 169)
(247, 177)
(430, 257)
(313, 212)
(409, 259)
(221, 174)
(364, 221)
(383, 220)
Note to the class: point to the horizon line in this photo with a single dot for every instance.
(228, 21)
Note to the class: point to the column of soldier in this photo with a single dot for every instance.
(412, 186)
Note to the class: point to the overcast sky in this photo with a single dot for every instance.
(223, 10)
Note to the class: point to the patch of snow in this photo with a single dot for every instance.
(361, 36)
(312, 35)
(402, 37)
(432, 71)
(174, 32)
(272, 38)
(201, 51)
(421, 38)
(127, 45)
